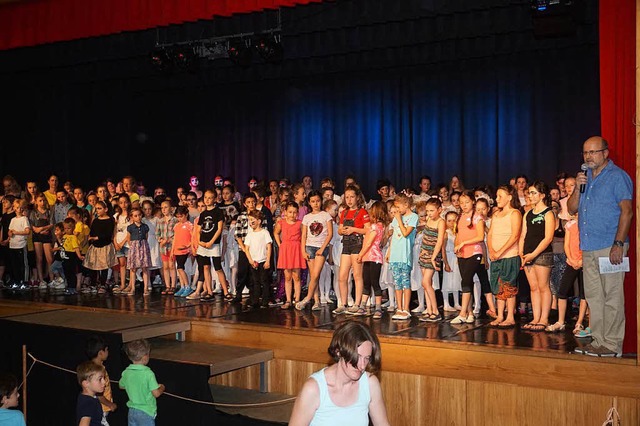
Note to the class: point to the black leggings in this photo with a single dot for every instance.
(566, 284)
(371, 278)
(18, 263)
(243, 273)
(473, 266)
(70, 267)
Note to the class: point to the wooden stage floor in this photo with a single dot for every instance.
(478, 334)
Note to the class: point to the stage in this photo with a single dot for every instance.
(434, 373)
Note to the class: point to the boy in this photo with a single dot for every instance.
(257, 248)
(98, 352)
(58, 282)
(8, 399)
(88, 409)
(141, 385)
(81, 231)
(242, 229)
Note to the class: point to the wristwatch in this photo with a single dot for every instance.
(618, 243)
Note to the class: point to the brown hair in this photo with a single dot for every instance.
(256, 214)
(378, 213)
(346, 340)
(87, 370)
(137, 349)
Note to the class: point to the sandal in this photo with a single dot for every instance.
(171, 292)
(583, 333)
(228, 297)
(491, 313)
(555, 327)
(502, 325)
(165, 291)
(302, 304)
(495, 323)
(286, 305)
(529, 326)
(577, 329)
(539, 327)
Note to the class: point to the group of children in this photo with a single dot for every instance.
(207, 244)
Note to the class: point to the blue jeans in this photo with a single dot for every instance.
(140, 418)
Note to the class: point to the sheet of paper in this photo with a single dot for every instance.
(606, 267)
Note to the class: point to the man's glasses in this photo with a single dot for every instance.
(593, 152)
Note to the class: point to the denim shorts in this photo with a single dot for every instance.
(311, 251)
(544, 259)
(123, 252)
(140, 418)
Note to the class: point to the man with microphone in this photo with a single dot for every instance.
(604, 209)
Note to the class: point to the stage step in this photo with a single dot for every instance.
(273, 413)
(219, 359)
(130, 327)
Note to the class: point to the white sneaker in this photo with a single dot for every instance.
(60, 285)
(245, 291)
(43, 285)
(418, 310)
(157, 280)
(217, 290)
(60, 280)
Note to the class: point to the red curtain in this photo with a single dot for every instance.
(617, 104)
(33, 22)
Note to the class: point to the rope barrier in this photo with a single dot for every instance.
(215, 404)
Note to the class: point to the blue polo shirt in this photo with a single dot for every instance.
(599, 209)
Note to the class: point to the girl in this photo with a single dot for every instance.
(298, 197)
(164, 235)
(371, 258)
(288, 235)
(399, 253)
(451, 277)
(32, 192)
(181, 247)
(120, 244)
(559, 257)
(231, 210)
(19, 229)
(333, 259)
(92, 198)
(317, 232)
(521, 187)
(150, 219)
(430, 255)
(386, 277)
(571, 272)
(285, 195)
(101, 254)
(354, 224)
(139, 253)
(469, 249)
(535, 252)
(50, 193)
(416, 271)
(502, 243)
(41, 220)
(483, 209)
(455, 184)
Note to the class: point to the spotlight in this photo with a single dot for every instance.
(160, 59)
(240, 53)
(270, 48)
(540, 5)
(183, 58)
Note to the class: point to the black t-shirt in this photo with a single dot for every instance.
(5, 222)
(103, 229)
(208, 222)
(89, 406)
(230, 212)
(535, 231)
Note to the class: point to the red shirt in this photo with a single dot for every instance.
(361, 218)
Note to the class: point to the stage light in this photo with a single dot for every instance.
(183, 57)
(540, 5)
(160, 59)
(240, 53)
(270, 48)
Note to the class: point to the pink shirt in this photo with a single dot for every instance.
(374, 254)
(182, 237)
(465, 234)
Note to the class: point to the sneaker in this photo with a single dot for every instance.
(60, 280)
(377, 314)
(70, 292)
(43, 285)
(85, 290)
(217, 290)
(187, 292)
(157, 281)
(179, 292)
(582, 350)
(245, 292)
(339, 310)
(603, 352)
(391, 308)
(59, 285)
(386, 304)
(24, 286)
(418, 310)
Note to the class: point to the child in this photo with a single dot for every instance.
(139, 253)
(288, 235)
(101, 254)
(57, 271)
(140, 383)
(371, 258)
(317, 232)
(451, 277)
(19, 229)
(469, 249)
(208, 231)
(420, 208)
(122, 217)
(483, 209)
(71, 256)
(150, 219)
(573, 271)
(81, 231)
(164, 235)
(354, 224)
(41, 219)
(242, 229)
(430, 255)
(5, 253)
(91, 376)
(9, 399)
(386, 277)
(333, 259)
(61, 206)
(399, 254)
(97, 351)
(181, 247)
(257, 246)
(299, 196)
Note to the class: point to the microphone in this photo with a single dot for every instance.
(584, 167)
